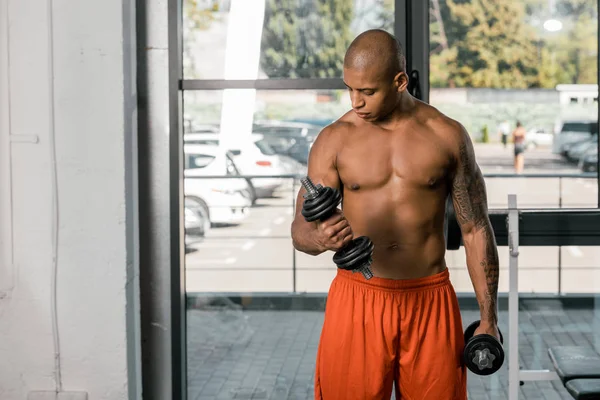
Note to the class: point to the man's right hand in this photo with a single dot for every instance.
(334, 233)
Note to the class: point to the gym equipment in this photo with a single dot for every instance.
(319, 204)
(515, 228)
(451, 227)
(483, 354)
(578, 368)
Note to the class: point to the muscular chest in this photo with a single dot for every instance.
(374, 161)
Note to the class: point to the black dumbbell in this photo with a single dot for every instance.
(319, 204)
(483, 353)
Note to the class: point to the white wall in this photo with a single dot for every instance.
(91, 112)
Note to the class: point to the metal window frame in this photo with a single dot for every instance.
(160, 185)
(264, 84)
(162, 277)
(411, 27)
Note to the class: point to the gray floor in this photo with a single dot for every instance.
(235, 354)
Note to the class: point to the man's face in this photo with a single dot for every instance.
(373, 93)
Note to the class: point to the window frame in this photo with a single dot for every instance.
(162, 290)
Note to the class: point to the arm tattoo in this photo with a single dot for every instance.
(470, 203)
(468, 189)
(490, 266)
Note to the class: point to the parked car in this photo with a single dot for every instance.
(293, 139)
(577, 150)
(287, 129)
(538, 137)
(589, 162)
(196, 221)
(295, 148)
(225, 200)
(252, 156)
(189, 125)
(570, 131)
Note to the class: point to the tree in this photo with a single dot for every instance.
(306, 38)
(195, 18)
(570, 55)
(478, 43)
(386, 15)
(485, 43)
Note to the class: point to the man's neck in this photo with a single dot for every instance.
(403, 109)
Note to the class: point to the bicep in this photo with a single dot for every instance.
(321, 165)
(468, 189)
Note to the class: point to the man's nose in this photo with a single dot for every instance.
(357, 100)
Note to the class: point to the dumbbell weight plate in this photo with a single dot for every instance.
(355, 254)
(320, 207)
(482, 343)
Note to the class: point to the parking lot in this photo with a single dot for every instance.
(256, 255)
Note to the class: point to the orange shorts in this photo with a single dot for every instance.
(384, 331)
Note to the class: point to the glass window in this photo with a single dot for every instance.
(270, 39)
(521, 76)
(510, 77)
(250, 334)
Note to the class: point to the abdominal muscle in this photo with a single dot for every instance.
(407, 233)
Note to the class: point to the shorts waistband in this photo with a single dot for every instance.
(428, 282)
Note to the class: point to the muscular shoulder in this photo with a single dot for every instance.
(332, 135)
(447, 129)
(326, 146)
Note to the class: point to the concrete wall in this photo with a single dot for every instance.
(91, 110)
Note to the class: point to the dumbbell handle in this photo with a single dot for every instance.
(346, 257)
(484, 359)
(309, 186)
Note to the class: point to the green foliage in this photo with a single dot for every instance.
(386, 15)
(473, 43)
(195, 20)
(502, 44)
(491, 45)
(485, 136)
(306, 39)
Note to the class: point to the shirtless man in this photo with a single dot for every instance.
(518, 137)
(396, 159)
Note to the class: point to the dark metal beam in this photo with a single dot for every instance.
(162, 289)
(264, 84)
(551, 227)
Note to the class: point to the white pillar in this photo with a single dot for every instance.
(242, 57)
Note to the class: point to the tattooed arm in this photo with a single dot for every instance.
(470, 203)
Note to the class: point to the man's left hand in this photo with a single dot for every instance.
(490, 329)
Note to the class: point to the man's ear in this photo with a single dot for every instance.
(401, 80)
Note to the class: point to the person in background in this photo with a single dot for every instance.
(504, 131)
(518, 137)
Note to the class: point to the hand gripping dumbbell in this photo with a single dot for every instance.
(319, 204)
(483, 353)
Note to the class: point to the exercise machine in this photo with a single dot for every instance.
(578, 368)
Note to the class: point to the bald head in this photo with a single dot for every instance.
(376, 48)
